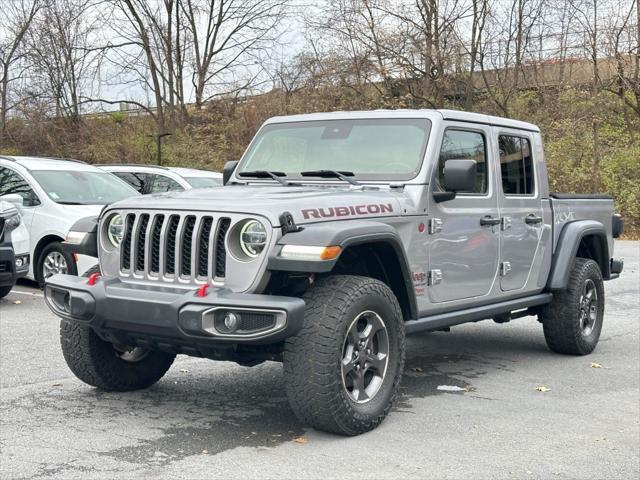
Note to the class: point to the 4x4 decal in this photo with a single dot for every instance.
(347, 211)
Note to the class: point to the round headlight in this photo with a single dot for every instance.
(253, 238)
(115, 230)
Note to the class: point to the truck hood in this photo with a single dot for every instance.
(306, 204)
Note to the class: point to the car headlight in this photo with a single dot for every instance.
(253, 238)
(115, 230)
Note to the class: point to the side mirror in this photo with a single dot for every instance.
(459, 176)
(15, 199)
(228, 169)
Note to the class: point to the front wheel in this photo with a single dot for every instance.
(54, 260)
(343, 369)
(573, 321)
(4, 291)
(107, 366)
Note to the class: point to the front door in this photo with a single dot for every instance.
(520, 207)
(464, 232)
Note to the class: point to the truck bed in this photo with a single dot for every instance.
(568, 207)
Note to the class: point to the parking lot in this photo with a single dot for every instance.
(521, 411)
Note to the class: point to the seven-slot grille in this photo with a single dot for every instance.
(173, 245)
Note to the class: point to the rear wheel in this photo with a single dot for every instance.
(573, 321)
(343, 369)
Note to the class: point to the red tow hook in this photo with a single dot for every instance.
(93, 278)
(202, 291)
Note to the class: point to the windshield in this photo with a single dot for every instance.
(373, 149)
(204, 182)
(82, 188)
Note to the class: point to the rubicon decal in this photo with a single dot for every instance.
(347, 211)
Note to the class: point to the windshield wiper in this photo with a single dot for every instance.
(342, 175)
(266, 174)
(64, 202)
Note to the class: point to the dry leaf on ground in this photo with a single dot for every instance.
(543, 388)
(300, 440)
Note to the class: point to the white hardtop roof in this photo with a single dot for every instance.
(181, 171)
(194, 172)
(46, 163)
(409, 113)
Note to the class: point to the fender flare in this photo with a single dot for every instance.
(89, 244)
(344, 235)
(567, 249)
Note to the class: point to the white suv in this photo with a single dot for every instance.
(155, 179)
(55, 194)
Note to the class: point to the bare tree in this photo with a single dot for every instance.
(228, 35)
(63, 54)
(15, 21)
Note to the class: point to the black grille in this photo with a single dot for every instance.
(142, 237)
(203, 247)
(155, 243)
(187, 243)
(251, 321)
(152, 244)
(172, 233)
(126, 242)
(221, 252)
(5, 267)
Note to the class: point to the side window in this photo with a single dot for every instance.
(12, 183)
(160, 183)
(516, 165)
(136, 180)
(463, 144)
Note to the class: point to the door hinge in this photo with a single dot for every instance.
(505, 268)
(506, 223)
(435, 277)
(435, 225)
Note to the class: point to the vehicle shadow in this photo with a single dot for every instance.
(205, 408)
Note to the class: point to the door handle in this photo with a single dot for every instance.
(532, 219)
(489, 220)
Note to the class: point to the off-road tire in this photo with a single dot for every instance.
(72, 268)
(4, 291)
(97, 363)
(312, 358)
(561, 318)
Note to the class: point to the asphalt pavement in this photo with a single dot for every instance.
(521, 412)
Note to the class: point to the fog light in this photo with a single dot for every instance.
(231, 321)
(19, 262)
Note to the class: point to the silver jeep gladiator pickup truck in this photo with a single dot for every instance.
(334, 237)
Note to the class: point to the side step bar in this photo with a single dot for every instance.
(444, 320)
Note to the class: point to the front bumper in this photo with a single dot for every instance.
(169, 318)
(8, 271)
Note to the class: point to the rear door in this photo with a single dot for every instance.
(463, 251)
(520, 207)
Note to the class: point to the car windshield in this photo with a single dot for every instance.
(82, 187)
(204, 182)
(373, 149)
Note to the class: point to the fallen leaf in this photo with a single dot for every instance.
(184, 370)
(595, 365)
(417, 369)
(17, 302)
(300, 440)
(543, 388)
(451, 388)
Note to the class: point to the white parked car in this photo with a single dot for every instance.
(14, 246)
(54, 194)
(155, 179)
